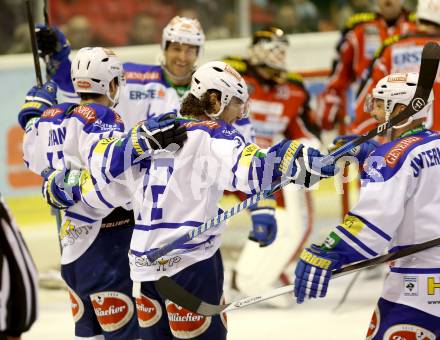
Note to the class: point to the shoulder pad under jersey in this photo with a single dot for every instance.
(238, 63)
(359, 18)
(387, 42)
(295, 78)
(142, 73)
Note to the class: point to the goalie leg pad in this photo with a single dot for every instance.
(258, 269)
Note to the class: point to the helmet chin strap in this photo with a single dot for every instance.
(115, 98)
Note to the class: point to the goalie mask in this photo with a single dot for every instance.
(397, 88)
(93, 69)
(269, 48)
(217, 75)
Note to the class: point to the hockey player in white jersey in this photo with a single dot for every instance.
(175, 193)
(397, 208)
(150, 89)
(94, 242)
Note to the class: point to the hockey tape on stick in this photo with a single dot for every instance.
(428, 72)
(169, 289)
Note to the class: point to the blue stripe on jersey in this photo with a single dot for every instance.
(415, 270)
(79, 217)
(102, 199)
(185, 246)
(357, 241)
(167, 225)
(348, 253)
(377, 230)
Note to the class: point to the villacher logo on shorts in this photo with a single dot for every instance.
(185, 324)
(113, 309)
(76, 305)
(149, 311)
(407, 331)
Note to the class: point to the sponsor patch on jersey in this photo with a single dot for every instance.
(130, 75)
(248, 154)
(395, 153)
(34, 105)
(185, 324)
(408, 332)
(112, 309)
(209, 123)
(374, 324)
(86, 112)
(51, 112)
(101, 146)
(410, 285)
(149, 311)
(352, 224)
(76, 305)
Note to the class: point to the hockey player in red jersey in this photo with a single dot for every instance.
(401, 53)
(362, 36)
(279, 108)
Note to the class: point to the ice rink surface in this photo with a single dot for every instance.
(310, 321)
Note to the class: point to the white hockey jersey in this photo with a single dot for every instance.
(173, 193)
(61, 138)
(398, 207)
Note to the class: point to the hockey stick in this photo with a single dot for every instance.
(169, 289)
(428, 71)
(39, 79)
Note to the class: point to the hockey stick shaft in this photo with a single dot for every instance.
(428, 71)
(171, 290)
(31, 23)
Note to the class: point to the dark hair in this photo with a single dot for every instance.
(192, 106)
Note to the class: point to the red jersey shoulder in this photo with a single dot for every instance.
(86, 112)
(396, 152)
(358, 19)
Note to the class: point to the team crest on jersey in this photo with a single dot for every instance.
(51, 112)
(185, 324)
(149, 311)
(113, 309)
(374, 324)
(76, 305)
(86, 112)
(408, 332)
(392, 157)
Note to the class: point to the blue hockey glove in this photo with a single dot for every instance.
(53, 43)
(264, 223)
(61, 188)
(157, 133)
(313, 272)
(37, 100)
(304, 165)
(361, 152)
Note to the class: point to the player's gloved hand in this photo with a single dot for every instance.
(53, 43)
(157, 133)
(361, 152)
(61, 188)
(264, 223)
(327, 109)
(313, 272)
(37, 100)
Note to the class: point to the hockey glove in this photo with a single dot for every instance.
(313, 272)
(61, 188)
(361, 152)
(157, 133)
(37, 100)
(53, 43)
(264, 223)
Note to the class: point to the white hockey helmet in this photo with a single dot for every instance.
(184, 31)
(217, 75)
(92, 70)
(429, 10)
(397, 88)
(269, 48)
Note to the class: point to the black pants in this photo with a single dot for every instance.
(18, 279)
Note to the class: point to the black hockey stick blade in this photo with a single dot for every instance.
(169, 289)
